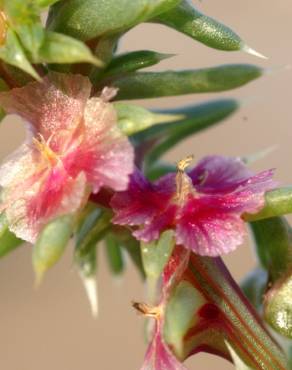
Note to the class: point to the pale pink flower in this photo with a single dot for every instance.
(74, 148)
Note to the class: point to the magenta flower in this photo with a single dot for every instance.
(74, 148)
(204, 206)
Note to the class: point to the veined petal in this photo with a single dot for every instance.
(55, 105)
(219, 174)
(112, 153)
(208, 230)
(140, 203)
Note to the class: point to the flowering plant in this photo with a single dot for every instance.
(90, 171)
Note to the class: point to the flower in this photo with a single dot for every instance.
(203, 206)
(74, 148)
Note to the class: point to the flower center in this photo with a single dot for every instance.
(43, 147)
(184, 184)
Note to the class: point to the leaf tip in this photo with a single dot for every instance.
(247, 49)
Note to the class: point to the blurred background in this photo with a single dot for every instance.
(51, 328)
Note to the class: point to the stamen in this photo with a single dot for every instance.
(43, 147)
(147, 310)
(183, 182)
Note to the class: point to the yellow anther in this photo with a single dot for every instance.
(183, 182)
(147, 310)
(184, 163)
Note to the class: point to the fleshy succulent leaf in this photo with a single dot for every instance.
(114, 254)
(187, 19)
(143, 85)
(130, 62)
(89, 19)
(51, 244)
(273, 243)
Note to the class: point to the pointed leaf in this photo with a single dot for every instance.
(12, 53)
(239, 364)
(58, 48)
(273, 243)
(114, 254)
(155, 255)
(278, 203)
(51, 244)
(143, 85)
(133, 118)
(89, 19)
(130, 62)
(187, 19)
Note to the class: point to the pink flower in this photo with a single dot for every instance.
(74, 148)
(204, 206)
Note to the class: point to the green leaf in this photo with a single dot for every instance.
(12, 53)
(89, 19)
(93, 229)
(58, 48)
(114, 254)
(3, 87)
(156, 254)
(179, 314)
(132, 247)
(32, 37)
(204, 116)
(273, 243)
(278, 306)
(278, 202)
(130, 62)
(187, 19)
(51, 244)
(142, 85)
(254, 287)
(8, 241)
(133, 118)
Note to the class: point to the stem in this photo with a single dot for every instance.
(235, 319)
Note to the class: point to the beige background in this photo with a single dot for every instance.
(51, 329)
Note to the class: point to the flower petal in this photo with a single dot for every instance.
(53, 105)
(140, 203)
(207, 228)
(219, 174)
(112, 155)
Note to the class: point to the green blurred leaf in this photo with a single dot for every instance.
(273, 243)
(278, 306)
(8, 241)
(58, 48)
(254, 287)
(51, 244)
(156, 254)
(114, 254)
(93, 229)
(184, 301)
(3, 87)
(130, 62)
(278, 202)
(12, 53)
(89, 19)
(21, 11)
(187, 19)
(133, 118)
(142, 85)
(204, 116)
(32, 37)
